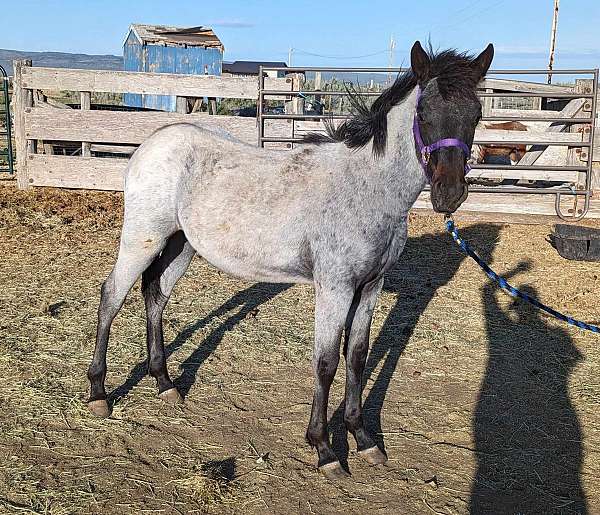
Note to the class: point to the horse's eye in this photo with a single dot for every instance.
(420, 116)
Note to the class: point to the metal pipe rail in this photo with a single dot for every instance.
(299, 92)
(524, 71)
(557, 191)
(8, 131)
(266, 116)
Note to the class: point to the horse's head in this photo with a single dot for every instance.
(447, 112)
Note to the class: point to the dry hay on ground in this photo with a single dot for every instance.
(479, 401)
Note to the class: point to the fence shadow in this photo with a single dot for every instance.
(428, 262)
(527, 435)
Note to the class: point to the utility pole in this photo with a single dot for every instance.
(553, 39)
(391, 60)
(291, 51)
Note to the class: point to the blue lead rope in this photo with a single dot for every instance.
(511, 289)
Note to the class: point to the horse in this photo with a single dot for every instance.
(511, 154)
(332, 213)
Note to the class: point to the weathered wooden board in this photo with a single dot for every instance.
(123, 127)
(524, 86)
(85, 104)
(113, 149)
(530, 175)
(530, 136)
(92, 173)
(534, 113)
(569, 111)
(118, 127)
(22, 99)
(508, 203)
(107, 174)
(483, 134)
(59, 79)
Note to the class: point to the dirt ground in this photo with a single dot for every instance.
(482, 404)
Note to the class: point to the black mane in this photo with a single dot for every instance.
(455, 77)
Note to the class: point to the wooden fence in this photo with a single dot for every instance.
(38, 121)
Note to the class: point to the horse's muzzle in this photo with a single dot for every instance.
(447, 198)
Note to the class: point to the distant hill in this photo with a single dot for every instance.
(352, 77)
(115, 62)
(61, 60)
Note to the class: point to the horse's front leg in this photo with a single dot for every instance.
(357, 346)
(331, 309)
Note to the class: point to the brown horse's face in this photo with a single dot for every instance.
(442, 115)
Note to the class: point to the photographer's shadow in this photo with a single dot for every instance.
(527, 435)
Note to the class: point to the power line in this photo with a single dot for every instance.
(467, 7)
(441, 23)
(299, 51)
(478, 13)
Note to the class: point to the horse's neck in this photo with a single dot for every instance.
(400, 166)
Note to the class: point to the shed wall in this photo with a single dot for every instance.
(167, 59)
(133, 61)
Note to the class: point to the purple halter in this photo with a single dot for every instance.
(426, 150)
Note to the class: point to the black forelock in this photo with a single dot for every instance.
(455, 78)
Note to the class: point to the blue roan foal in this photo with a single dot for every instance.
(332, 213)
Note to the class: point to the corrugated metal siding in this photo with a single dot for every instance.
(132, 62)
(167, 59)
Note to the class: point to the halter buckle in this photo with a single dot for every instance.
(425, 155)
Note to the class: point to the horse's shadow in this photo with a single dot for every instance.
(246, 300)
(428, 263)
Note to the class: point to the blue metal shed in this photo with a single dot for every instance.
(157, 48)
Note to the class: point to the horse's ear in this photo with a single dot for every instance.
(419, 62)
(482, 62)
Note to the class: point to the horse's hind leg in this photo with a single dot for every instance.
(135, 255)
(158, 281)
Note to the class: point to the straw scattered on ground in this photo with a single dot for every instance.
(482, 404)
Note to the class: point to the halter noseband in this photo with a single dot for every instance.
(426, 150)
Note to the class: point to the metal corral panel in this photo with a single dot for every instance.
(166, 59)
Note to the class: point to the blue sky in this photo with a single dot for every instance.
(265, 30)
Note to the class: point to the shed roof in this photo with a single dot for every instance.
(176, 36)
(249, 67)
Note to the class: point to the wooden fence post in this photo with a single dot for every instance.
(212, 105)
(22, 99)
(296, 104)
(488, 103)
(318, 86)
(85, 104)
(181, 105)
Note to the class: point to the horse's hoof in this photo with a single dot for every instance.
(171, 396)
(333, 471)
(99, 408)
(373, 456)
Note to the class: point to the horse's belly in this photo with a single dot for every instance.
(246, 231)
(256, 272)
(253, 258)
